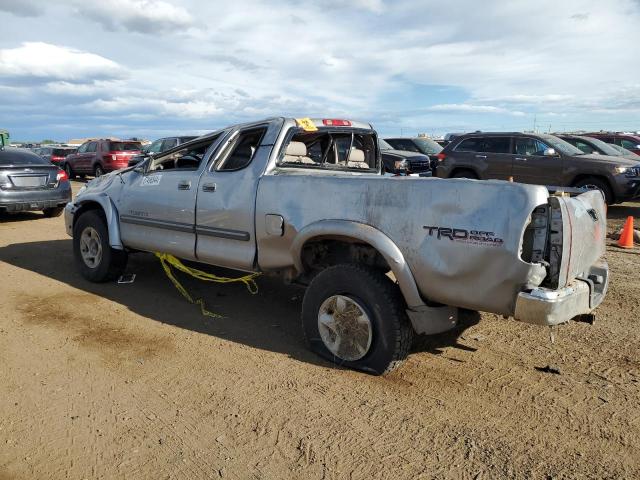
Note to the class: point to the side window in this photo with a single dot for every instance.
(92, 147)
(155, 147)
(469, 145)
(83, 147)
(585, 147)
(629, 144)
(404, 144)
(239, 153)
(496, 145)
(188, 158)
(530, 146)
(168, 144)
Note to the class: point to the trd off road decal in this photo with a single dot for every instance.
(473, 237)
(150, 180)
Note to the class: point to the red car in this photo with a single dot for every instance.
(625, 140)
(96, 157)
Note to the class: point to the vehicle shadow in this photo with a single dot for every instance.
(268, 320)
(19, 217)
(622, 211)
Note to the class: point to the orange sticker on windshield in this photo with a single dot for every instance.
(306, 124)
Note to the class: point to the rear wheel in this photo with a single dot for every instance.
(53, 212)
(94, 257)
(355, 317)
(464, 174)
(595, 183)
(69, 170)
(98, 171)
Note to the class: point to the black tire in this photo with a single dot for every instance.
(600, 184)
(53, 212)
(464, 174)
(98, 171)
(112, 263)
(392, 333)
(70, 172)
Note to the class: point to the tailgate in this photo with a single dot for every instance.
(577, 236)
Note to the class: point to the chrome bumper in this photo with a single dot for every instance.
(543, 306)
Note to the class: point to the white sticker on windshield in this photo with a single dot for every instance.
(150, 180)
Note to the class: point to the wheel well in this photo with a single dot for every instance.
(322, 252)
(582, 176)
(85, 207)
(463, 169)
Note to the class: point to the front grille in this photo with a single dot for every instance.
(420, 166)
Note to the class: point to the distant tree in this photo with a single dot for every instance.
(45, 142)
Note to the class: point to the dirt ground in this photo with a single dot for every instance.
(131, 381)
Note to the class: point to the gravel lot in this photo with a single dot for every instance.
(131, 381)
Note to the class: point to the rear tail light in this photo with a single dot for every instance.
(441, 156)
(56, 158)
(332, 122)
(61, 176)
(110, 156)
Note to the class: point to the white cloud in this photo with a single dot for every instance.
(46, 62)
(22, 8)
(144, 16)
(467, 108)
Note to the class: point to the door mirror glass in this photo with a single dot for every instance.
(549, 152)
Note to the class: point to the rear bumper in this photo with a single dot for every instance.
(21, 201)
(543, 306)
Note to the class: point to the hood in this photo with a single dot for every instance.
(621, 161)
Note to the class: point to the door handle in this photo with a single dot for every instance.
(184, 185)
(521, 159)
(209, 187)
(481, 156)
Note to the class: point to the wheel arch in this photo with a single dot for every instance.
(108, 209)
(598, 176)
(464, 169)
(359, 233)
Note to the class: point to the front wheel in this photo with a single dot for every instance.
(94, 257)
(595, 183)
(355, 317)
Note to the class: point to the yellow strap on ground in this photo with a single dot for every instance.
(167, 261)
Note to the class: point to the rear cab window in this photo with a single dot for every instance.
(331, 149)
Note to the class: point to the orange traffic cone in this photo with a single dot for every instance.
(626, 237)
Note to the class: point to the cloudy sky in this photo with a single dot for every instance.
(78, 68)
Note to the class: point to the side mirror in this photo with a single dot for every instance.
(139, 169)
(550, 152)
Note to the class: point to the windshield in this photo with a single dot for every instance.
(428, 146)
(124, 146)
(561, 146)
(622, 150)
(384, 145)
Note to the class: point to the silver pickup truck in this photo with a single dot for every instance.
(383, 258)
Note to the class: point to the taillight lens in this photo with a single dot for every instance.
(56, 158)
(441, 156)
(62, 176)
(332, 122)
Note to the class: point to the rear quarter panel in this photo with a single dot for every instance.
(483, 274)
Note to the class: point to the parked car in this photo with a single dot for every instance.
(97, 157)
(423, 145)
(159, 146)
(594, 145)
(539, 159)
(29, 182)
(402, 162)
(55, 155)
(305, 199)
(626, 140)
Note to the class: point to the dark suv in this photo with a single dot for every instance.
(423, 145)
(159, 146)
(55, 155)
(595, 145)
(625, 140)
(538, 159)
(401, 162)
(96, 157)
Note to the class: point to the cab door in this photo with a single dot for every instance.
(157, 206)
(531, 165)
(225, 214)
